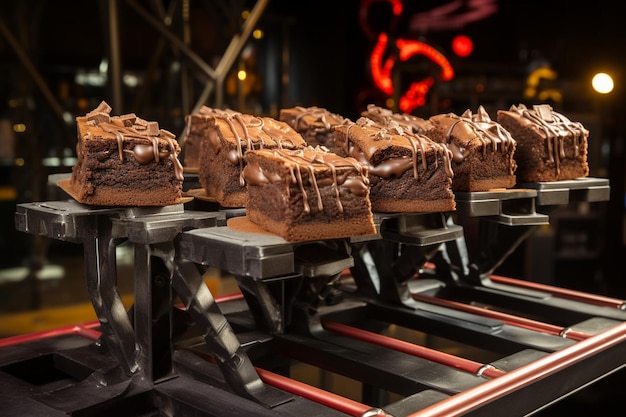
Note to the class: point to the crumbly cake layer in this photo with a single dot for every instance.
(196, 128)
(228, 137)
(307, 194)
(125, 161)
(407, 172)
(550, 147)
(482, 149)
(315, 124)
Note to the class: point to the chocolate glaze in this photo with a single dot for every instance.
(131, 126)
(322, 168)
(315, 118)
(196, 129)
(393, 135)
(204, 113)
(470, 126)
(555, 127)
(251, 132)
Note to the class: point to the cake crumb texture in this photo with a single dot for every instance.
(125, 161)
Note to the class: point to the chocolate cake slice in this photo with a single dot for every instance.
(550, 147)
(197, 125)
(315, 125)
(307, 194)
(125, 161)
(407, 172)
(228, 137)
(482, 149)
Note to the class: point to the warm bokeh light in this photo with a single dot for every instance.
(257, 34)
(602, 83)
(241, 75)
(462, 46)
(539, 85)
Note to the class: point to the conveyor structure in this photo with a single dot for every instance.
(335, 306)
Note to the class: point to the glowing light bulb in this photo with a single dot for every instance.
(602, 83)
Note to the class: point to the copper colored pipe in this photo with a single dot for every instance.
(563, 292)
(318, 395)
(493, 389)
(329, 399)
(556, 291)
(85, 330)
(229, 297)
(506, 318)
(414, 350)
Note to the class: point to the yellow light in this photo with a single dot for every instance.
(245, 14)
(257, 34)
(19, 162)
(602, 83)
(241, 75)
(19, 128)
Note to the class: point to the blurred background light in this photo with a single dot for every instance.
(602, 83)
(462, 46)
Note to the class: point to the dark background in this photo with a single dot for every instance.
(313, 53)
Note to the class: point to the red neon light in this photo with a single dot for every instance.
(410, 48)
(462, 46)
(415, 96)
(396, 9)
(381, 73)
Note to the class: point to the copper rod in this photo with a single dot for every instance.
(329, 399)
(318, 395)
(556, 291)
(563, 292)
(506, 318)
(414, 350)
(493, 389)
(84, 330)
(229, 297)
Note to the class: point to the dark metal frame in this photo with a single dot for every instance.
(299, 305)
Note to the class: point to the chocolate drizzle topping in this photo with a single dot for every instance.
(395, 166)
(317, 163)
(489, 132)
(252, 132)
(131, 126)
(319, 116)
(204, 113)
(555, 127)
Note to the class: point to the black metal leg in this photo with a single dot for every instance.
(117, 329)
(231, 359)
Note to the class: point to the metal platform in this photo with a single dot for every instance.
(330, 305)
